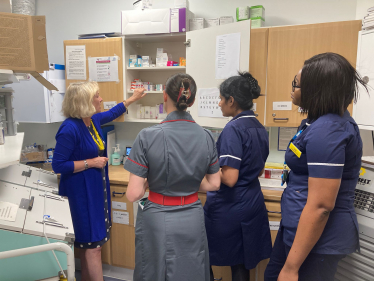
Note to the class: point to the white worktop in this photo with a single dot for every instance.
(10, 152)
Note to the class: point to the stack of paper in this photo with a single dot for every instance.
(368, 21)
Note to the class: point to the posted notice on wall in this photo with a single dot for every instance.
(208, 100)
(103, 69)
(76, 62)
(284, 136)
(227, 55)
(8, 211)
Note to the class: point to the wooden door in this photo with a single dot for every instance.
(257, 67)
(201, 61)
(109, 91)
(289, 47)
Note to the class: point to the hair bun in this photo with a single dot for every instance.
(255, 89)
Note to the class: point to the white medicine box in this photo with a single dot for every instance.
(149, 21)
(226, 20)
(212, 22)
(196, 24)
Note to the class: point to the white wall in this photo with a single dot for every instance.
(362, 7)
(68, 18)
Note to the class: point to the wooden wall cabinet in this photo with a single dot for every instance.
(289, 47)
(109, 91)
(258, 65)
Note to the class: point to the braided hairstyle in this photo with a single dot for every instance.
(243, 88)
(181, 88)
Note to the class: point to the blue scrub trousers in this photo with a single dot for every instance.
(316, 267)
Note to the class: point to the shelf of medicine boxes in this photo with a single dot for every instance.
(10, 152)
(157, 38)
(164, 68)
(136, 120)
(148, 92)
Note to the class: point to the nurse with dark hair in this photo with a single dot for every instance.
(236, 218)
(319, 225)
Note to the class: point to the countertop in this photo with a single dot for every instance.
(118, 175)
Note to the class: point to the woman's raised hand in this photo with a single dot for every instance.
(137, 95)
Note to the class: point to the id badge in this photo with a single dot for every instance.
(142, 202)
(295, 150)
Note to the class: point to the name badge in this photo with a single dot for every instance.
(295, 150)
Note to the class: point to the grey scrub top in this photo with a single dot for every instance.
(174, 155)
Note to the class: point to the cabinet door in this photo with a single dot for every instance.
(363, 109)
(201, 61)
(122, 236)
(289, 47)
(109, 91)
(257, 67)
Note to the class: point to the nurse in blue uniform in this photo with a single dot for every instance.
(319, 225)
(235, 216)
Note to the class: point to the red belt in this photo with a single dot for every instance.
(172, 200)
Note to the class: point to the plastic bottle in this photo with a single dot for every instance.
(116, 158)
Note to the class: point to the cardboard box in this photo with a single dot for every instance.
(180, 3)
(23, 47)
(178, 20)
(196, 24)
(146, 21)
(257, 11)
(242, 13)
(226, 20)
(257, 22)
(212, 22)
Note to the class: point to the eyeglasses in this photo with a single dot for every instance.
(294, 85)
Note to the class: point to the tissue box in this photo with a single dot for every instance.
(212, 22)
(196, 24)
(257, 22)
(226, 20)
(178, 20)
(145, 21)
(242, 13)
(257, 11)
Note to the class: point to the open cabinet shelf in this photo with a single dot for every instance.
(148, 92)
(164, 68)
(10, 152)
(153, 121)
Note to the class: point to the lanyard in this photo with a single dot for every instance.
(97, 140)
(285, 170)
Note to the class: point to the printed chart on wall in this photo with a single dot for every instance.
(76, 62)
(103, 69)
(208, 100)
(227, 55)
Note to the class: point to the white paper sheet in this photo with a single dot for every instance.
(284, 136)
(8, 211)
(208, 100)
(121, 217)
(103, 69)
(119, 205)
(227, 55)
(76, 62)
(274, 225)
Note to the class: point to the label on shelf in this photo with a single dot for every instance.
(282, 105)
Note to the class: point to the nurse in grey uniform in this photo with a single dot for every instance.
(175, 159)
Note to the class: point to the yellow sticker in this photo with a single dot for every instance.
(295, 150)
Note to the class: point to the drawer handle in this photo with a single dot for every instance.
(280, 119)
(118, 193)
(274, 212)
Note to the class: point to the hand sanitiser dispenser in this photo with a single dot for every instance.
(116, 158)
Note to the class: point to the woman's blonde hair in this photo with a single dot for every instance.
(78, 100)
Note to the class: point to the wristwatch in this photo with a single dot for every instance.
(85, 165)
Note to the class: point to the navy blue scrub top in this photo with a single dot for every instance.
(331, 148)
(244, 145)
